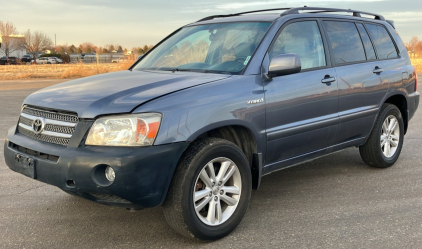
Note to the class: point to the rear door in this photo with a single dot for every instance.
(301, 110)
(359, 82)
(393, 65)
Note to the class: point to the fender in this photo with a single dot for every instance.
(399, 91)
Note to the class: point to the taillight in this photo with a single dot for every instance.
(416, 80)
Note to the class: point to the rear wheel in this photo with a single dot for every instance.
(383, 147)
(210, 190)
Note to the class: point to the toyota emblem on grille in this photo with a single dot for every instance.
(38, 125)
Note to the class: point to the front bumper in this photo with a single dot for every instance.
(143, 174)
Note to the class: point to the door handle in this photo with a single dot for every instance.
(328, 79)
(378, 70)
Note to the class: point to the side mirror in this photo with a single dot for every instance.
(284, 64)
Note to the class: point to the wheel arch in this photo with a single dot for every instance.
(245, 139)
(400, 101)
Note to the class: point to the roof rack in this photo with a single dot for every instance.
(356, 13)
(238, 14)
(288, 11)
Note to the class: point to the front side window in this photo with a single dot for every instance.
(303, 39)
(219, 48)
(382, 40)
(345, 41)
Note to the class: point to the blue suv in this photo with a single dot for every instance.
(197, 121)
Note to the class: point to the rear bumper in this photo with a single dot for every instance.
(412, 104)
(143, 175)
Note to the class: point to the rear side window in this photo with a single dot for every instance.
(369, 49)
(382, 40)
(345, 42)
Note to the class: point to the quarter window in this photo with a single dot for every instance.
(382, 40)
(369, 49)
(303, 39)
(345, 41)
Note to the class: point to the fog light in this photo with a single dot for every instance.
(109, 173)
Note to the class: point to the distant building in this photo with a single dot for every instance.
(14, 40)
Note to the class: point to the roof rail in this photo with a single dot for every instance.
(321, 10)
(288, 11)
(238, 14)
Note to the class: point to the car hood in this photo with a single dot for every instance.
(118, 92)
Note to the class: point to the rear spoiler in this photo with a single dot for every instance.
(391, 22)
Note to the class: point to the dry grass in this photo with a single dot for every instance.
(60, 71)
(72, 71)
(417, 63)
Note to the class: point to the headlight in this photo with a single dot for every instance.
(125, 130)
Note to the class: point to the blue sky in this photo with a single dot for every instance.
(133, 23)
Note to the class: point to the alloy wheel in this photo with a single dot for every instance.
(390, 136)
(217, 191)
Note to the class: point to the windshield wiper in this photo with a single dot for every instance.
(175, 69)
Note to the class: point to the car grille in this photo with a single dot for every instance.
(49, 126)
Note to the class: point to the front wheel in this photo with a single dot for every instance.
(210, 190)
(383, 147)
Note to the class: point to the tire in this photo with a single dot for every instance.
(179, 209)
(383, 147)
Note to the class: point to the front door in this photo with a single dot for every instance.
(301, 109)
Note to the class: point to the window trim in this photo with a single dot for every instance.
(326, 52)
(370, 39)
(391, 37)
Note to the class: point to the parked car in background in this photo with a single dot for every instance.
(120, 60)
(26, 58)
(11, 60)
(58, 60)
(46, 60)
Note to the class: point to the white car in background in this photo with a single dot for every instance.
(58, 60)
(120, 60)
(48, 60)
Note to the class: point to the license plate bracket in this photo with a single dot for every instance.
(25, 165)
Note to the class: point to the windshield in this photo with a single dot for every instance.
(216, 48)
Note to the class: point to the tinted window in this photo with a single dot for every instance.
(304, 39)
(382, 40)
(345, 42)
(369, 49)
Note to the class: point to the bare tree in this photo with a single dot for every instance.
(412, 43)
(36, 42)
(9, 43)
